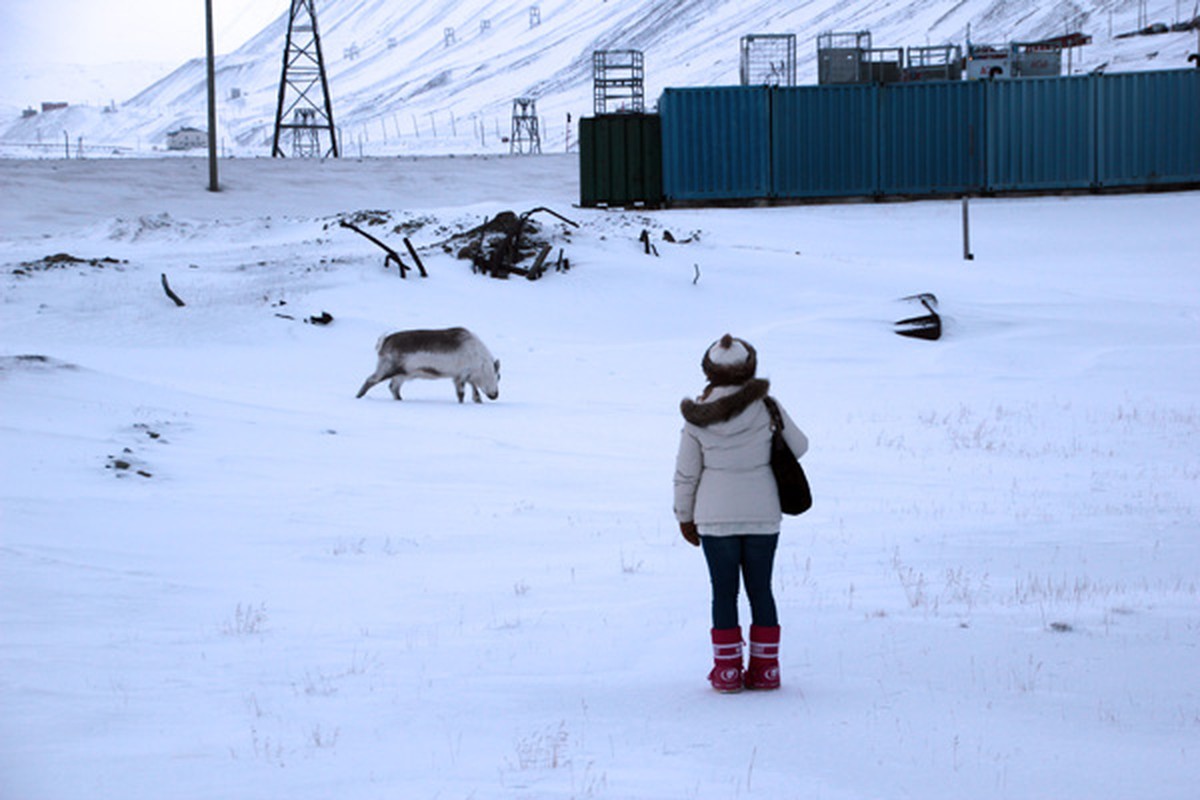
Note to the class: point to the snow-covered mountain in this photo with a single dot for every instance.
(440, 77)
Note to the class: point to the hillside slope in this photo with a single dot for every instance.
(438, 77)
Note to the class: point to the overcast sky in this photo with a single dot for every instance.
(109, 31)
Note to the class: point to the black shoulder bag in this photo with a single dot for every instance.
(794, 495)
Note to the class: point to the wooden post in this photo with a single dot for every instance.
(412, 251)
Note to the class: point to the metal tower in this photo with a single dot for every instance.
(299, 110)
(525, 136)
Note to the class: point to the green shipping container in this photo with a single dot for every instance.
(620, 160)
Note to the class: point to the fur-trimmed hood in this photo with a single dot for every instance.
(725, 405)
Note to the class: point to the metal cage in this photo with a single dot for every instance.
(618, 81)
(768, 59)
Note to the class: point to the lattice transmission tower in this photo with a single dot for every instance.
(300, 111)
(526, 137)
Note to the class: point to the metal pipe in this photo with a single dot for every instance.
(966, 229)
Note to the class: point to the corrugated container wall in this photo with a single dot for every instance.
(620, 160)
(824, 141)
(1041, 134)
(931, 138)
(1148, 128)
(716, 143)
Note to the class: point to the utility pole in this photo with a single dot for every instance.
(213, 185)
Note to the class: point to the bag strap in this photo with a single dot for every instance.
(773, 410)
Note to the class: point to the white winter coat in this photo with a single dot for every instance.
(723, 478)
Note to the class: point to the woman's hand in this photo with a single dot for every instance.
(688, 529)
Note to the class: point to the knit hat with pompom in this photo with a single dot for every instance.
(729, 361)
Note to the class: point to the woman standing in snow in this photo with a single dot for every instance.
(727, 502)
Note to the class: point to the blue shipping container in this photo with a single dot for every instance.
(716, 143)
(1148, 128)
(954, 137)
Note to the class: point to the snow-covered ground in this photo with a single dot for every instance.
(293, 593)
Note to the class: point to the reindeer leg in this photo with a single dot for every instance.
(394, 385)
(371, 381)
(378, 376)
(459, 388)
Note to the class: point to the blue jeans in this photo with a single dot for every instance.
(751, 558)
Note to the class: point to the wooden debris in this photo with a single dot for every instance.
(392, 255)
(501, 243)
(167, 288)
(650, 249)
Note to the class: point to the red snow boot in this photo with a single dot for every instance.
(726, 675)
(763, 670)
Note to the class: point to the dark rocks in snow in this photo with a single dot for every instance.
(128, 462)
(124, 464)
(324, 318)
(33, 363)
(65, 261)
(367, 217)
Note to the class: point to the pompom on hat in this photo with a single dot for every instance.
(729, 361)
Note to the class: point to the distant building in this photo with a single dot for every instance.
(29, 112)
(186, 139)
(53, 106)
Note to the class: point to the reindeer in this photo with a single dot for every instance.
(453, 353)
